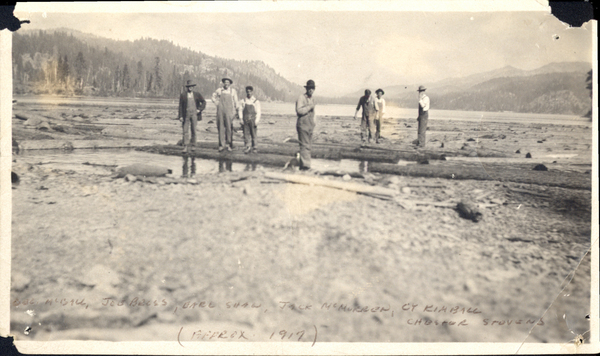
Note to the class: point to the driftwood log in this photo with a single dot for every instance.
(502, 173)
(349, 186)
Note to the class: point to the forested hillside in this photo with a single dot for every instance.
(72, 63)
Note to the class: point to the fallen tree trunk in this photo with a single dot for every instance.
(332, 153)
(349, 186)
(234, 156)
(574, 180)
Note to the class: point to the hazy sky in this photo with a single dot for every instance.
(345, 51)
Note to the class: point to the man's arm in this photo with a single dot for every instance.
(200, 102)
(240, 110)
(258, 112)
(360, 101)
(215, 97)
(181, 109)
(303, 107)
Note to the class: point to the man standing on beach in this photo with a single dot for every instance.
(380, 102)
(249, 111)
(423, 115)
(191, 104)
(305, 109)
(226, 101)
(369, 112)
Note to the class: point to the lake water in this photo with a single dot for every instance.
(279, 108)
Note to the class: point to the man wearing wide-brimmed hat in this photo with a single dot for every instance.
(305, 109)
(423, 115)
(191, 104)
(379, 116)
(226, 101)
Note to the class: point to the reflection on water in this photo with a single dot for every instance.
(185, 170)
(225, 165)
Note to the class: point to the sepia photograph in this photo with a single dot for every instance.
(305, 177)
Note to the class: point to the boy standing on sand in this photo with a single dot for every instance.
(191, 104)
(226, 100)
(423, 115)
(305, 109)
(249, 111)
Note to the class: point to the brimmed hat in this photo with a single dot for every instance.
(421, 88)
(224, 79)
(189, 84)
(310, 84)
(380, 90)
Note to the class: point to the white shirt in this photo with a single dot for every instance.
(424, 102)
(381, 104)
(249, 101)
(216, 97)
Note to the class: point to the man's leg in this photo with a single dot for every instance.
(228, 130)
(377, 130)
(364, 134)
(422, 130)
(185, 140)
(253, 133)
(193, 124)
(247, 134)
(221, 129)
(305, 139)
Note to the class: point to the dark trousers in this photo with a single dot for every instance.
(305, 138)
(367, 128)
(423, 118)
(250, 133)
(189, 129)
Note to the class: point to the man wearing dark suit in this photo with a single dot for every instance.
(191, 104)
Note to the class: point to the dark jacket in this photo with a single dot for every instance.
(200, 104)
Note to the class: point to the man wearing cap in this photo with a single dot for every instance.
(305, 109)
(380, 102)
(226, 101)
(249, 111)
(369, 112)
(423, 115)
(191, 104)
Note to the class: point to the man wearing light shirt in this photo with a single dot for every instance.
(379, 116)
(305, 109)
(226, 101)
(423, 115)
(249, 111)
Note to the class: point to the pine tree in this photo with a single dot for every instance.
(158, 76)
(80, 67)
(126, 78)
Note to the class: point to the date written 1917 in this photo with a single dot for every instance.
(239, 335)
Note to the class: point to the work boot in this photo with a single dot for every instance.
(221, 149)
(229, 148)
(254, 150)
(247, 150)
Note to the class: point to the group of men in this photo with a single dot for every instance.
(225, 98)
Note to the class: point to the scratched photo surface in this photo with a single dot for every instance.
(479, 235)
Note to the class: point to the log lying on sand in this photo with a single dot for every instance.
(81, 144)
(349, 186)
(235, 156)
(321, 152)
(574, 180)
